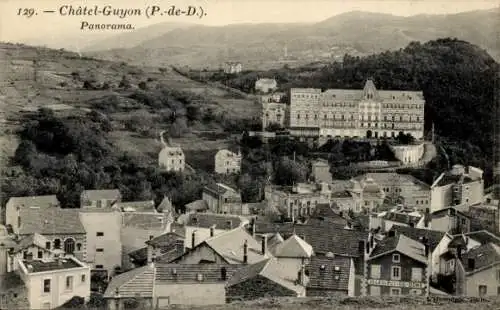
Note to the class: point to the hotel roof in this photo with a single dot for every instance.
(34, 266)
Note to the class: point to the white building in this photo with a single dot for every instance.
(227, 162)
(171, 159)
(51, 283)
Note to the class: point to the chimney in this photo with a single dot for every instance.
(223, 273)
(361, 246)
(193, 237)
(212, 229)
(245, 252)
(264, 245)
(427, 217)
(471, 264)
(367, 247)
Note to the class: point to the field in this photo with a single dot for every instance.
(39, 77)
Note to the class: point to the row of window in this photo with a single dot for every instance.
(69, 245)
(394, 291)
(401, 118)
(47, 283)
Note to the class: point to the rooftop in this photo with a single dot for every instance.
(219, 189)
(154, 221)
(399, 217)
(165, 240)
(220, 221)
(383, 178)
(138, 206)
(169, 151)
(433, 236)
(197, 205)
(294, 247)
(34, 266)
(50, 221)
(484, 256)
(97, 194)
(401, 244)
(484, 237)
(329, 273)
(35, 201)
(33, 239)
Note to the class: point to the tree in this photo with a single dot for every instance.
(178, 128)
(289, 172)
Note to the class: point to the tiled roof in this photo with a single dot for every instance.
(449, 178)
(197, 205)
(188, 273)
(35, 201)
(325, 210)
(144, 221)
(270, 269)
(178, 229)
(165, 240)
(139, 281)
(293, 247)
(433, 236)
(96, 194)
(484, 237)
(230, 246)
(138, 206)
(166, 205)
(50, 221)
(397, 179)
(324, 238)
(207, 220)
(401, 244)
(484, 256)
(329, 273)
(169, 256)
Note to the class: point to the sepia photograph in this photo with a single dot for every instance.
(250, 154)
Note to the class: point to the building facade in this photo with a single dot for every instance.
(460, 185)
(100, 199)
(265, 85)
(274, 112)
(221, 198)
(171, 159)
(227, 162)
(51, 283)
(369, 112)
(232, 67)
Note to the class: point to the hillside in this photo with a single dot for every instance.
(458, 80)
(262, 45)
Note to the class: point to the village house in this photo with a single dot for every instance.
(236, 246)
(367, 193)
(396, 265)
(221, 198)
(460, 185)
(99, 198)
(330, 276)
(104, 245)
(232, 67)
(266, 278)
(202, 226)
(51, 283)
(401, 189)
(48, 201)
(264, 85)
(7, 245)
(321, 171)
(163, 248)
(159, 285)
(171, 158)
(28, 248)
(448, 220)
(227, 162)
(274, 111)
(292, 255)
(62, 227)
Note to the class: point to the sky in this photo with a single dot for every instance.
(54, 29)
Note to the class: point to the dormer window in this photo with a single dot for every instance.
(396, 258)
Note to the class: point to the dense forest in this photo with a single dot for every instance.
(458, 80)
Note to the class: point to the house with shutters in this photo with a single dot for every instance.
(99, 198)
(395, 266)
(159, 285)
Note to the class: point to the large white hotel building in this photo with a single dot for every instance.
(368, 112)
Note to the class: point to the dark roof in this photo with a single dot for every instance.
(129, 284)
(165, 240)
(329, 273)
(218, 189)
(446, 210)
(139, 255)
(386, 245)
(41, 266)
(323, 238)
(449, 178)
(484, 256)
(188, 273)
(401, 217)
(401, 244)
(207, 220)
(433, 236)
(484, 237)
(170, 255)
(247, 272)
(50, 221)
